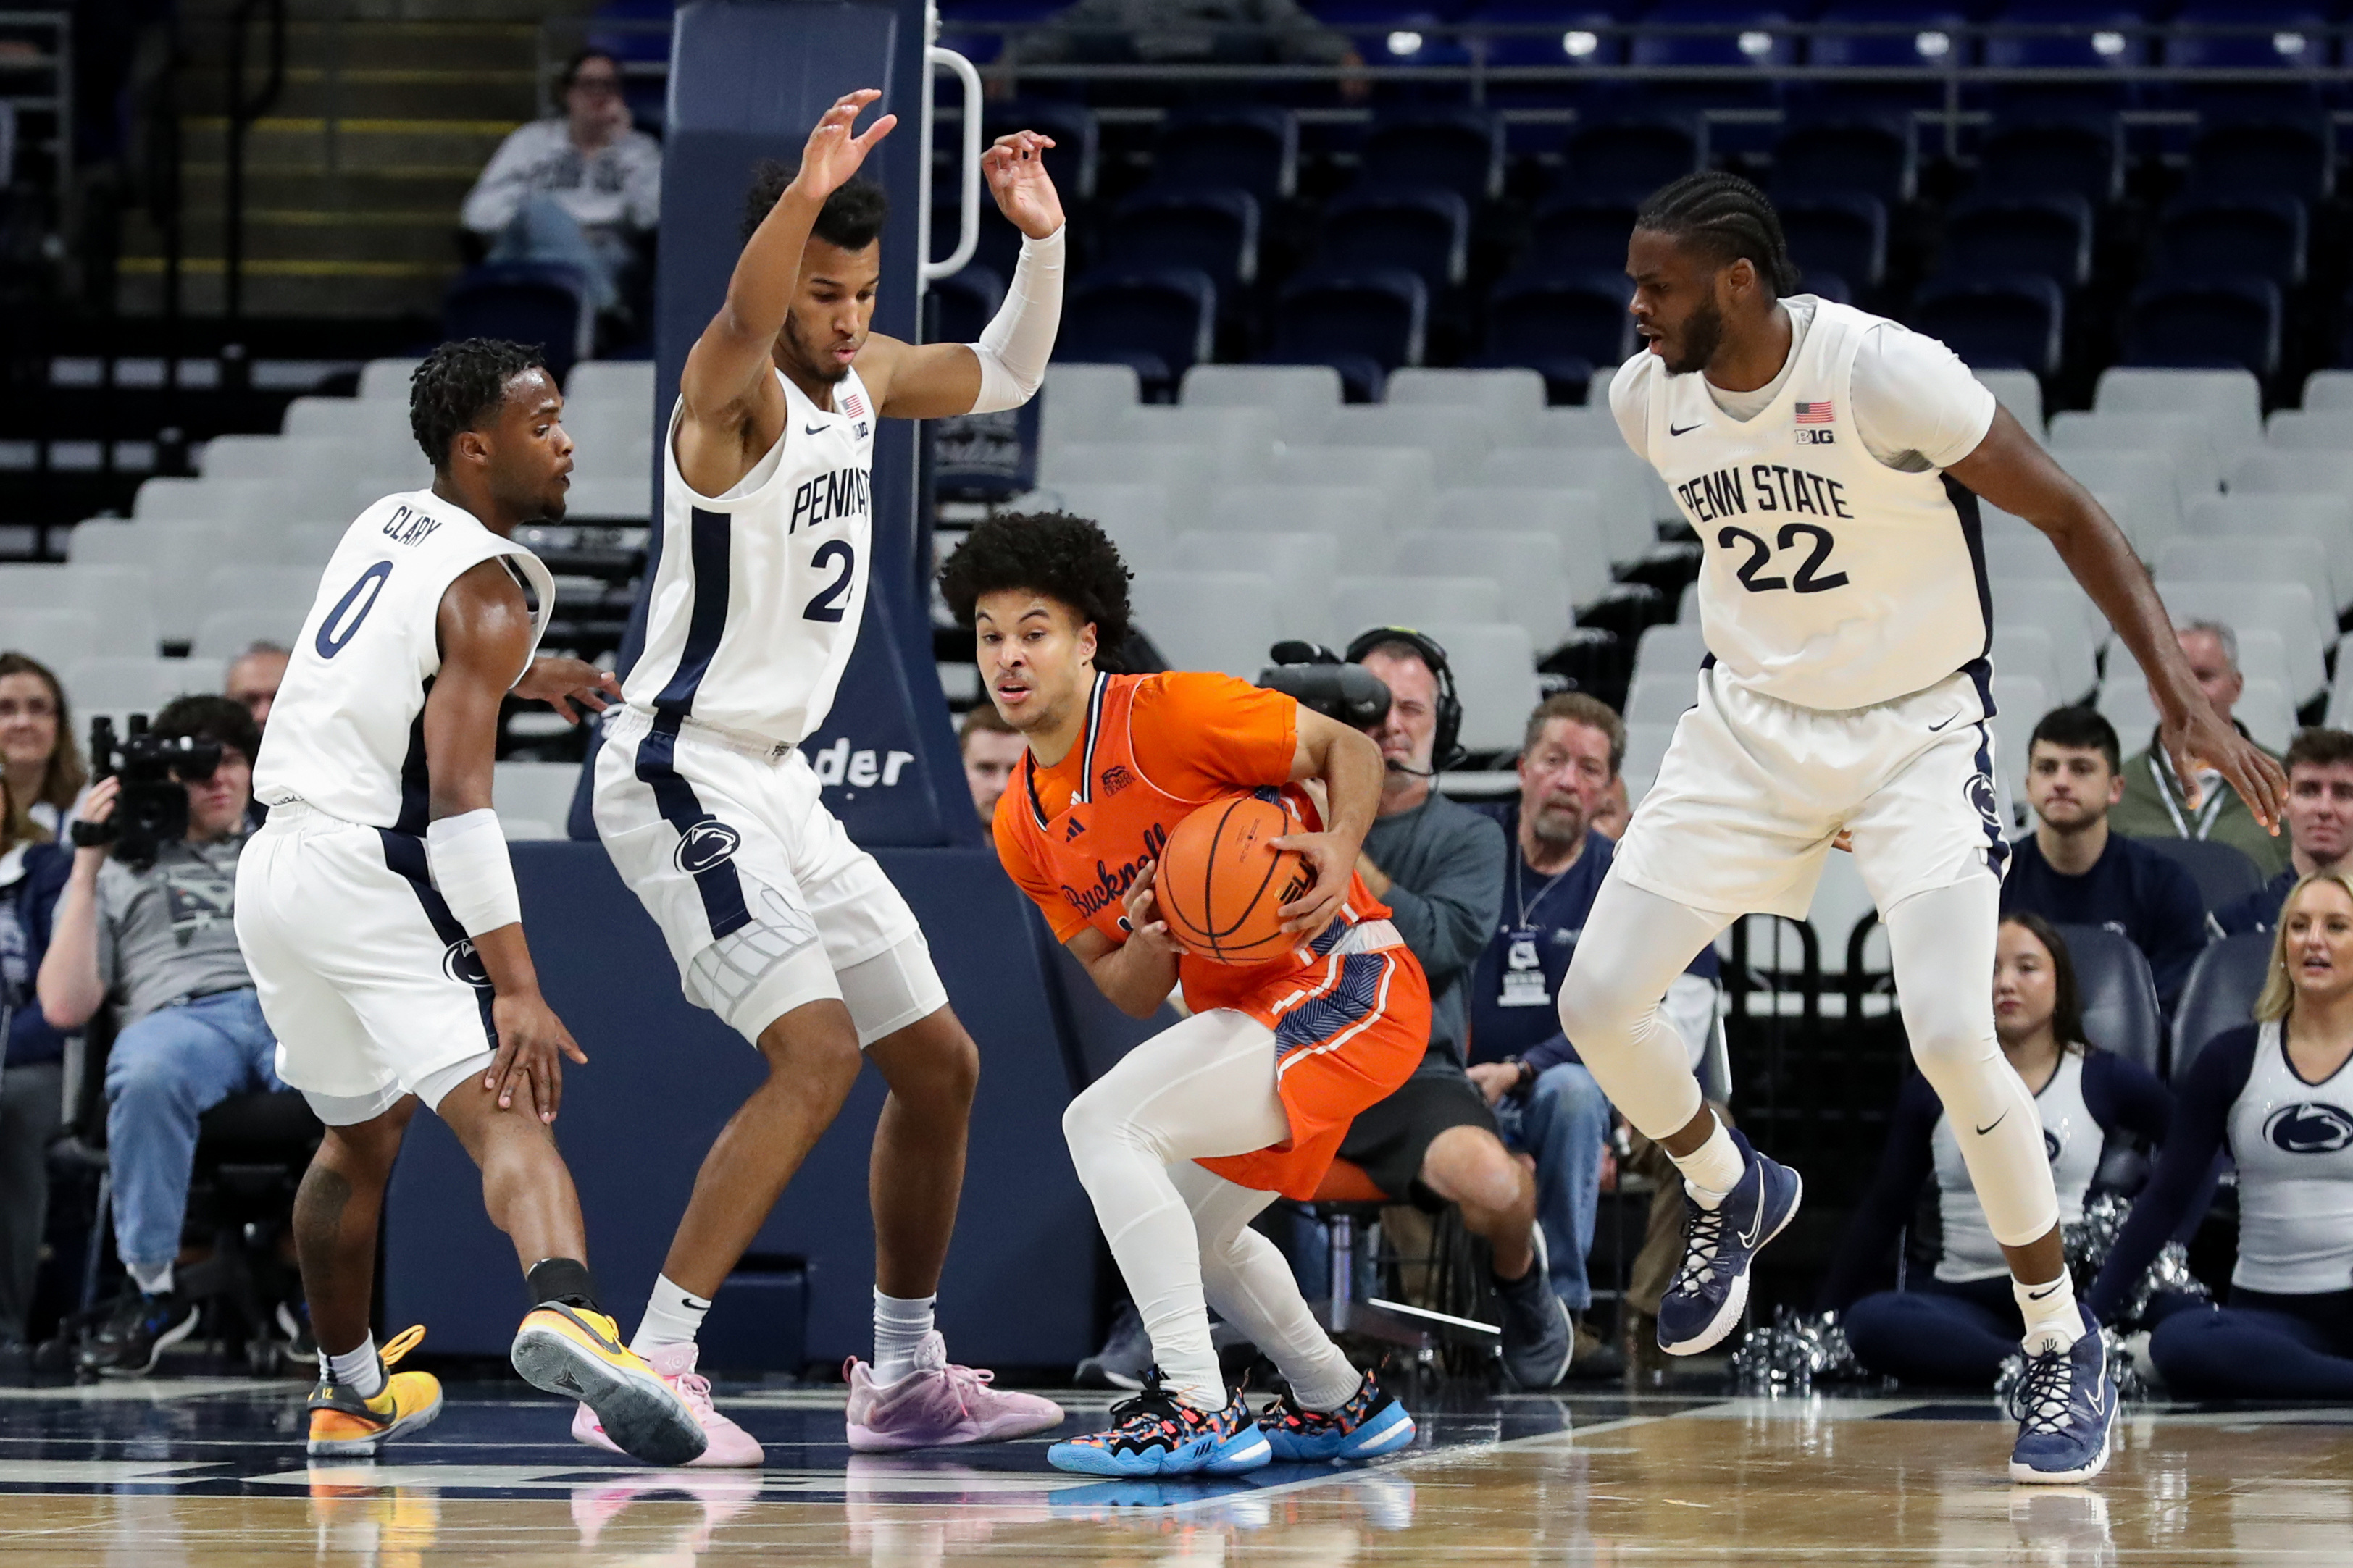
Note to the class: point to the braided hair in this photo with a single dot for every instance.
(459, 386)
(1725, 218)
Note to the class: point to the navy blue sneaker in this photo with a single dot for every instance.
(1368, 1425)
(1712, 1287)
(1156, 1434)
(2066, 1408)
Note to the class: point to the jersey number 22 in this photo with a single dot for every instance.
(1808, 577)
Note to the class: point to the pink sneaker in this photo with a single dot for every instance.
(938, 1403)
(730, 1446)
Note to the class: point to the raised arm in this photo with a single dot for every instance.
(2009, 470)
(485, 631)
(1004, 369)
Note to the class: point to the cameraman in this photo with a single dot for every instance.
(158, 939)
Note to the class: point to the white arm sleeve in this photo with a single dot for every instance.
(1014, 348)
(468, 856)
(1915, 404)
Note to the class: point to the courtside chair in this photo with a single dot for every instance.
(2219, 995)
(2020, 392)
(2120, 1010)
(1359, 601)
(1509, 398)
(967, 300)
(1571, 519)
(1405, 479)
(2223, 873)
(2260, 157)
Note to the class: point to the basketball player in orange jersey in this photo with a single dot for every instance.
(1199, 1127)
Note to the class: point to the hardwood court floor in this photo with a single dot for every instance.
(211, 1475)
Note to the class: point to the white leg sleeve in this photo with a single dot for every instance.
(1251, 1284)
(1202, 1089)
(1019, 340)
(1942, 942)
(1634, 945)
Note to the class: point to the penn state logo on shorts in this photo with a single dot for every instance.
(2052, 1145)
(462, 964)
(2309, 1127)
(1980, 789)
(707, 844)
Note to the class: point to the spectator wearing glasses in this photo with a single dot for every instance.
(46, 775)
(583, 187)
(2319, 817)
(2153, 806)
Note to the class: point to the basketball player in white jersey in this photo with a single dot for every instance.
(378, 913)
(779, 924)
(1831, 462)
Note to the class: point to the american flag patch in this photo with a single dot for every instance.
(855, 406)
(1814, 413)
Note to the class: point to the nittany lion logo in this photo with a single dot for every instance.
(705, 845)
(1980, 789)
(2309, 1127)
(2052, 1145)
(462, 964)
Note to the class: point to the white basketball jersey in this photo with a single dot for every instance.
(346, 733)
(1830, 580)
(2294, 1144)
(2071, 1138)
(757, 603)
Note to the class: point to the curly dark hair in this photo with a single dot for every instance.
(459, 385)
(852, 217)
(221, 719)
(1064, 558)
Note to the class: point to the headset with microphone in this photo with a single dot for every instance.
(1444, 752)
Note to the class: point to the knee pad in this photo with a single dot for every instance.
(757, 974)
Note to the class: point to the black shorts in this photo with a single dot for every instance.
(1388, 1139)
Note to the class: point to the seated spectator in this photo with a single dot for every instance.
(581, 188)
(1188, 32)
(1440, 867)
(2071, 870)
(46, 775)
(32, 1079)
(1609, 819)
(1544, 1098)
(2319, 821)
(1956, 1324)
(2153, 807)
(159, 941)
(254, 677)
(992, 751)
(2272, 1094)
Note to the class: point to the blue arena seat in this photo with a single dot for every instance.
(1554, 322)
(1255, 147)
(1997, 235)
(2253, 234)
(2231, 321)
(1858, 157)
(2000, 324)
(543, 303)
(1555, 35)
(1625, 160)
(1751, 35)
(1352, 320)
(2064, 157)
(1214, 231)
(1845, 234)
(2245, 156)
(2289, 36)
(1926, 33)
(967, 300)
(1434, 146)
(2219, 995)
(1571, 234)
(2111, 40)
(2120, 1009)
(1427, 232)
(1160, 321)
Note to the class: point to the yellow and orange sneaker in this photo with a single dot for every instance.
(344, 1425)
(578, 1353)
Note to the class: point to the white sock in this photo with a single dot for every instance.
(156, 1280)
(901, 1325)
(673, 1317)
(356, 1370)
(2054, 1322)
(1713, 1169)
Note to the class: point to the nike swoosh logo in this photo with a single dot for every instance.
(1684, 430)
(1756, 1221)
(2046, 1295)
(814, 430)
(1994, 1124)
(1946, 720)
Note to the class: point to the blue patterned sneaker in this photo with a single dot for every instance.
(1156, 1434)
(1368, 1425)
(1707, 1295)
(2066, 1409)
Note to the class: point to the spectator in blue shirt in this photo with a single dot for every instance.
(2319, 821)
(1546, 1101)
(2071, 870)
(32, 1094)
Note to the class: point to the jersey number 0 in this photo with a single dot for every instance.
(336, 631)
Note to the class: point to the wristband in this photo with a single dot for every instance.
(89, 835)
(468, 856)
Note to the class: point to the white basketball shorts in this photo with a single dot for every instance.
(371, 985)
(1752, 790)
(764, 899)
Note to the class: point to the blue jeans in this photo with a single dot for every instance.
(166, 1071)
(543, 229)
(1564, 1121)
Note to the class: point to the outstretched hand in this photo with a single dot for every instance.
(572, 687)
(1015, 168)
(2206, 738)
(833, 154)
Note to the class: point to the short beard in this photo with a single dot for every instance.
(1540, 829)
(827, 374)
(1703, 336)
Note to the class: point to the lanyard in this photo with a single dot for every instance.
(2160, 768)
(1527, 906)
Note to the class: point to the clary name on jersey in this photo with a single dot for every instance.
(1777, 488)
(408, 526)
(841, 493)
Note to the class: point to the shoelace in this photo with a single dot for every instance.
(2043, 1397)
(695, 1389)
(968, 1382)
(1699, 1252)
(401, 1343)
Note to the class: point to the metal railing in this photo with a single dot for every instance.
(243, 111)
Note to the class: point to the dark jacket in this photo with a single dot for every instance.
(2131, 890)
(30, 883)
(1446, 864)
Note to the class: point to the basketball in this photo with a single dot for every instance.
(1222, 883)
